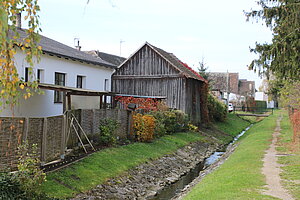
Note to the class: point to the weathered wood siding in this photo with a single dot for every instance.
(149, 74)
(193, 103)
(146, 62)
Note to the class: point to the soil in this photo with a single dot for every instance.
(271, 169)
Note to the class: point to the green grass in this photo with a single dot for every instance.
(291, 169)
(100, 166)
(240, 176)
(111, 162)
(233, 125)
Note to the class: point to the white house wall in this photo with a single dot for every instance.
(43, 105)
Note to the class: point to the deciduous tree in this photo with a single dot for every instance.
(11, 86)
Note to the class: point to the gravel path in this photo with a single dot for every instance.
(271, 169)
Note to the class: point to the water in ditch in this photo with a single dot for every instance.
(175, 188)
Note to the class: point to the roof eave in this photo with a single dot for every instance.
(80, 60)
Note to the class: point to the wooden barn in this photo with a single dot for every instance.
(151, 71)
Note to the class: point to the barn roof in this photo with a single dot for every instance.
(181, 66)
(52, 47)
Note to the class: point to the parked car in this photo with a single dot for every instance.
(230, 107)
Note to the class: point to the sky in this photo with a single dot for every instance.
(215, 31)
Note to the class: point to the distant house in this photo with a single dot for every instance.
(151, 71)
(61, 68)
(230, 82)
(223, 82)
(247, 88)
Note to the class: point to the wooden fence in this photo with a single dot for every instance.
(50, 133)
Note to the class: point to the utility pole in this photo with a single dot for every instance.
(121, 41)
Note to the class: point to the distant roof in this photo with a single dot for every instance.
(53, 47)
(183, 67)
(116, 60)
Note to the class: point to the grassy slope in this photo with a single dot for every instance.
(240, 176)
(111, 162)
(291, 169)
(233, 125)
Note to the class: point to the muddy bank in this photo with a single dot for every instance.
(144, 181)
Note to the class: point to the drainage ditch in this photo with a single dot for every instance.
(175, 188)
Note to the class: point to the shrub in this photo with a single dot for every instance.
(25, 183)
(10, 187)
(107, 127)
(144, 126)
(193, 127)
(29, 173)
(217, 110)
(171, 121)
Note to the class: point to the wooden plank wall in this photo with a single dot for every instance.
(148, 74)
(193, 103)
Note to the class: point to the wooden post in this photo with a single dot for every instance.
(113, 102)
(44, 142)
(69, 101)
(105, 102)
(101, 101)
(130, 136)
(26, 127)
(63, 138)
(64, 102)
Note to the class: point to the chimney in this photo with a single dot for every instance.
(18, 20)
(78, 47)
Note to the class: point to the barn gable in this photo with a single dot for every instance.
(143, 60)
(144, 63)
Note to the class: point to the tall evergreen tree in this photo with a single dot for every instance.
(202, 69)
(281, 57)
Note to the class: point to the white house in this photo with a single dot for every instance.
(60, 65)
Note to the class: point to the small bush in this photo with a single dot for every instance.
(171, 121)
(217, 110)
(25, 183)
(107, 128)
(144, 126)
(29, 173)
(193, 128)
(10, 187)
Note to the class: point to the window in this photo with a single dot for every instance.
(40, 75)
(79, 82)
(59, 80)
(106, 85)
(26, 78)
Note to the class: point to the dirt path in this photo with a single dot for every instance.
(271, 170)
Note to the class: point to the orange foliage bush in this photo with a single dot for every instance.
(144, 127)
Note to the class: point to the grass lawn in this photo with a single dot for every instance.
(291, 168)
(233, 125)
(100, 166)
(240, 176)
(110, 162)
